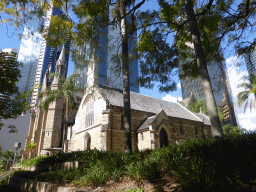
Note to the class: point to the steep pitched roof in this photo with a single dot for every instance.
(147, 104)
(204, 118)
(147, 122)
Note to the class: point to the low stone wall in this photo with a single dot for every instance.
(36, 186)
(54, 167)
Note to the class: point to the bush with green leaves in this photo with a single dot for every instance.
(199, 164)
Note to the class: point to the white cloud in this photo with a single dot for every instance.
(171, 98)
(178, 85)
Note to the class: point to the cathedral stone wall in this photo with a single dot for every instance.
(144, 140)
(95, 135)
(26, 152)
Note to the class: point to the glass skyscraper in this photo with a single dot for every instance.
(29, 54)
(109, 59)
(36, 55)
(219, 83)
(250, 60)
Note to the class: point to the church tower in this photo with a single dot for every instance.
(46, 127)
(53, 132)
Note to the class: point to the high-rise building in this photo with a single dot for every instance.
(36, 55)
(250, 60)
(108, 58)
(10, 50)
(220, 87)
(28, 54)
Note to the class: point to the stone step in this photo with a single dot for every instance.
(26, 185)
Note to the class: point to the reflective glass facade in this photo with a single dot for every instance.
(29, 54)
(219, 83)
(36, 56)
(250, 60)
(109, 59)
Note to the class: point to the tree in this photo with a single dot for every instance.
(6, 155)
(12, 102)
(229, 130)
(120, 8)
(199, 105)
(65, 91)
(97, 20)
(250, 87)
(180, 18)
(31, 146)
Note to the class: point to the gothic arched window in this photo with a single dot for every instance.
(89, 113)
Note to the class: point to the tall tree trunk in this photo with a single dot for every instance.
(126, 81)
(64, 134)
(202, 65)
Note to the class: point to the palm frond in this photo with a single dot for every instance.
(245, 105)
(69, 97)
(51, 96)
(244, 85)
(60, 76)
(242, 96)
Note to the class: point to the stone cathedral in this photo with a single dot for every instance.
(97, 120)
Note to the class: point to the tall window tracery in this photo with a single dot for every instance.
(89, 113)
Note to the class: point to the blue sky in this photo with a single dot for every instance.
(9, 39)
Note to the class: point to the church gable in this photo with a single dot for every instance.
(89, 121)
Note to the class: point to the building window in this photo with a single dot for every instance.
(181, 130)
(89, 113)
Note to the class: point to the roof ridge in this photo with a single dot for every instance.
(189, 111)
(204, 115)
(155, 98)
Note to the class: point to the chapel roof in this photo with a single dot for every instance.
(204, 118)
(148, 104)
(146, 123)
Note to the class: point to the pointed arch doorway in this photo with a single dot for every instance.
(163, 138)
(87, 141)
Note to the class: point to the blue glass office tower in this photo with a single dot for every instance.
(29, 54)
(108, 56)
(250, 60)
(36, 56)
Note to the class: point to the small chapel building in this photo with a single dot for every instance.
(154, 122)
(97, 122)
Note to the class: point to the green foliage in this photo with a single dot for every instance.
(62, 176)
(66, 91)
(202, 164)
(250, 88)
(6, 155)
(160, 61)
(31, 146)
(195, 107)
(229, 130)
(12, 102)
(5, 179)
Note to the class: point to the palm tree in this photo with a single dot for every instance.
(66, 91)
(250, 87)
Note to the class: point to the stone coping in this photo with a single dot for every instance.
(27, 185)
